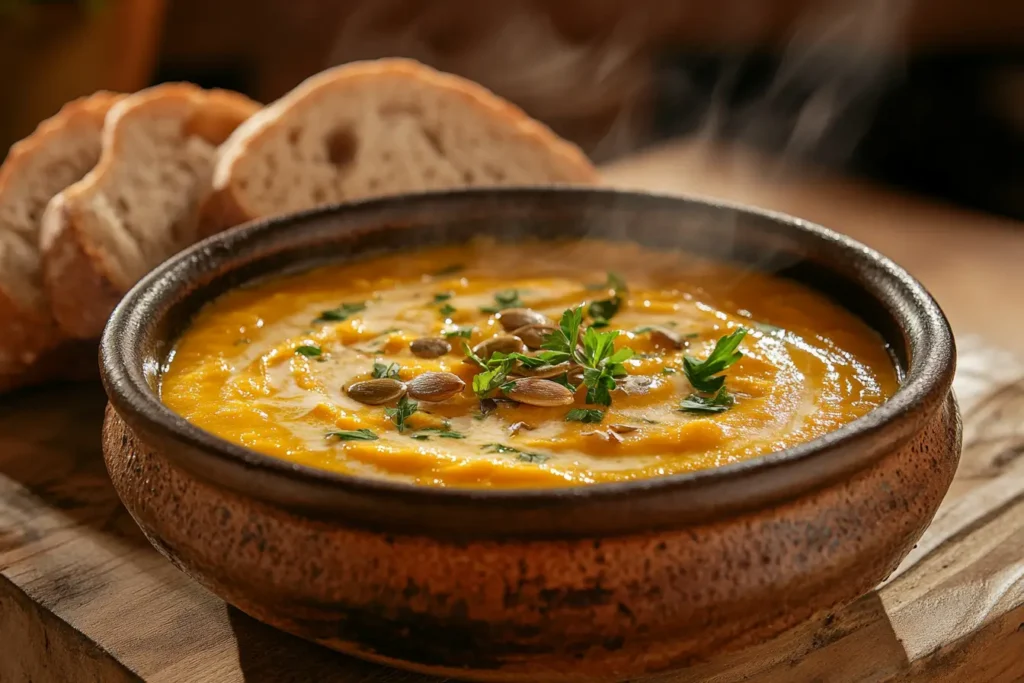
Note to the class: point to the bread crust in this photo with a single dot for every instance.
(30, 333)
(226, 206)
(82, 283)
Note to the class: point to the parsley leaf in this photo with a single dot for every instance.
(385, 371)
(342, 312)
(508, 298)
(494, 371)
(605, 309)
(443, 432)
(402, 412)
(584, 415)
(703, 375)
(353, 435)
(464, 331)
(601, 362)
(441, 297)
(522, 456)
(308, 350)
(719, 403)
(446, 310)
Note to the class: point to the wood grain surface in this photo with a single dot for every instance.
(83, 597)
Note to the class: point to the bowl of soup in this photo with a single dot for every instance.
(531, 434)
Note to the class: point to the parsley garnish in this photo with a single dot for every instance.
(441, 297)
(495, 370)
(522, 456)
(449, 270)
(705, 377)
(402, 412)
(719, 403)
(601, 362)
(508, 298)
(353, 435)
(584, 415)
(308, 350)
(340, 313)
(447, 310)
(445, 432)
(602, 311)
(464, 331)
(385, 370)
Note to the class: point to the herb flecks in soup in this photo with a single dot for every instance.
(535, 364)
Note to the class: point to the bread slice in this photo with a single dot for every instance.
(382, 127)
(60, 152)
(139, 205)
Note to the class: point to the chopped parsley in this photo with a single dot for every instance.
(508, 298)
(353, 435)
(464, 331)
(445, 432)
(441, 297)
(719, 403)
(706, 378)
(601, 362)
(447, 310)
(342, 312)
(704, 375)
(495, 370)
(308, 350)
(522, 456)
(605, 309)
(584, 415)
(385, 370)
(402, 412)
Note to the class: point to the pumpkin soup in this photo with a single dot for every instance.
(534, 364)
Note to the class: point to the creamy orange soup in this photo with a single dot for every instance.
(319, 368)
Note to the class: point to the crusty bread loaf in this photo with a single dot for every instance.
(377, 128)
(139, 205)
(60, 152)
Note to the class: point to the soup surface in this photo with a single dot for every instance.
(685, 364)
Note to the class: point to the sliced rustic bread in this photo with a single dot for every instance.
(139, 205)
(377, 128)
(60, 152)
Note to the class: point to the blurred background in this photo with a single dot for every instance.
(927, 96)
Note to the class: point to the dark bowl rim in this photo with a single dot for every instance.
(926, 383)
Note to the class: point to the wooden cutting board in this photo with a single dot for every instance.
(84, 597)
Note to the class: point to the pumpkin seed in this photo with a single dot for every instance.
(635, 385)
(430, 347)
(534, 335)
(515, 318)
(543, 372)
(504, 344)
(622, 429)
(374, 392)
(539, 392)
(435, 386)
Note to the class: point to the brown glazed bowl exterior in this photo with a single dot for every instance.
(595, 583)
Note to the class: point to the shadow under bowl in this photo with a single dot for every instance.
(601, 582)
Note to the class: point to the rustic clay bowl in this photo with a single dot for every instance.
(595, 583)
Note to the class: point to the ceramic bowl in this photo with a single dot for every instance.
(594, 583)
